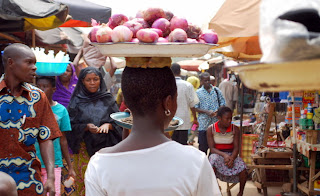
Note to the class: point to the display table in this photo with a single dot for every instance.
(260, 163)
(310, 151)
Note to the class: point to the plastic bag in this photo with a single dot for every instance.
(93, 57)
(282, 39)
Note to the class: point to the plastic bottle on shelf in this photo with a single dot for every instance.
(309, 108)
(303, 115)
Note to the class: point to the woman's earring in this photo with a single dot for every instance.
(167, 112)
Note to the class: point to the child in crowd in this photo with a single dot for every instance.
(47, 84)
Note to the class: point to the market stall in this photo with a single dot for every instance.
(290, 63)
(295, 76)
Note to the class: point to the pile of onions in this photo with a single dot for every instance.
(147, 35)
(104, 34)
(150, 26)
(121, 34)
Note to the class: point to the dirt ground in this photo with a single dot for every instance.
(250, 188)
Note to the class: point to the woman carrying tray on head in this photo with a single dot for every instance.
(223, 141)
(147, 162)
(92, 128)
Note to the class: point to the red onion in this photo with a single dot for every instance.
(177, 22)
(140, 14)
(116, 20)
(157, 31)
(121, 34)
(162, 40)
(209, 36)
(193, 31)
(133, 26)
(178, 35)
(93, 32)
(142, 22)
(201, 41)
(152, 14)
(135, 40)
(169, 15)
(162, 24)
(189, 40)
(104, 34)
(147, 35)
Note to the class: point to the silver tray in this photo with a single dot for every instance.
(170, 49)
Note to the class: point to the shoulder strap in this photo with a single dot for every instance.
(217, 95)
(213, 129)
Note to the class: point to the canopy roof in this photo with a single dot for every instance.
(82, 11)
(17, 15)
(237, 19)
(237, 24)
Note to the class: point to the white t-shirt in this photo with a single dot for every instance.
(187, 98)
(168, 169)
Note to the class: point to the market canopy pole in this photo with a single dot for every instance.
(294, 142)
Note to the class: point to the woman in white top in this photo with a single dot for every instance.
(148, 163)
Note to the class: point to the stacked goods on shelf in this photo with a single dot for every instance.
(309, 97)
(309, 120)
(316, 118)
(247, 145)
(306, 119)
(296, 106)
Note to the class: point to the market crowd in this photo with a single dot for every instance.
(58, 137)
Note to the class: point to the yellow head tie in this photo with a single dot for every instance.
(148, 62)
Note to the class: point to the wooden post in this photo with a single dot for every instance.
(33, 38)
(268, 124)
(312, 162)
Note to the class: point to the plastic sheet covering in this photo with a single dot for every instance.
(289, 30)
(24, 15)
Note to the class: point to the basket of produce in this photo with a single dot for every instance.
(124, 119)
(50, 64)
(51, 68)
(154, 33)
